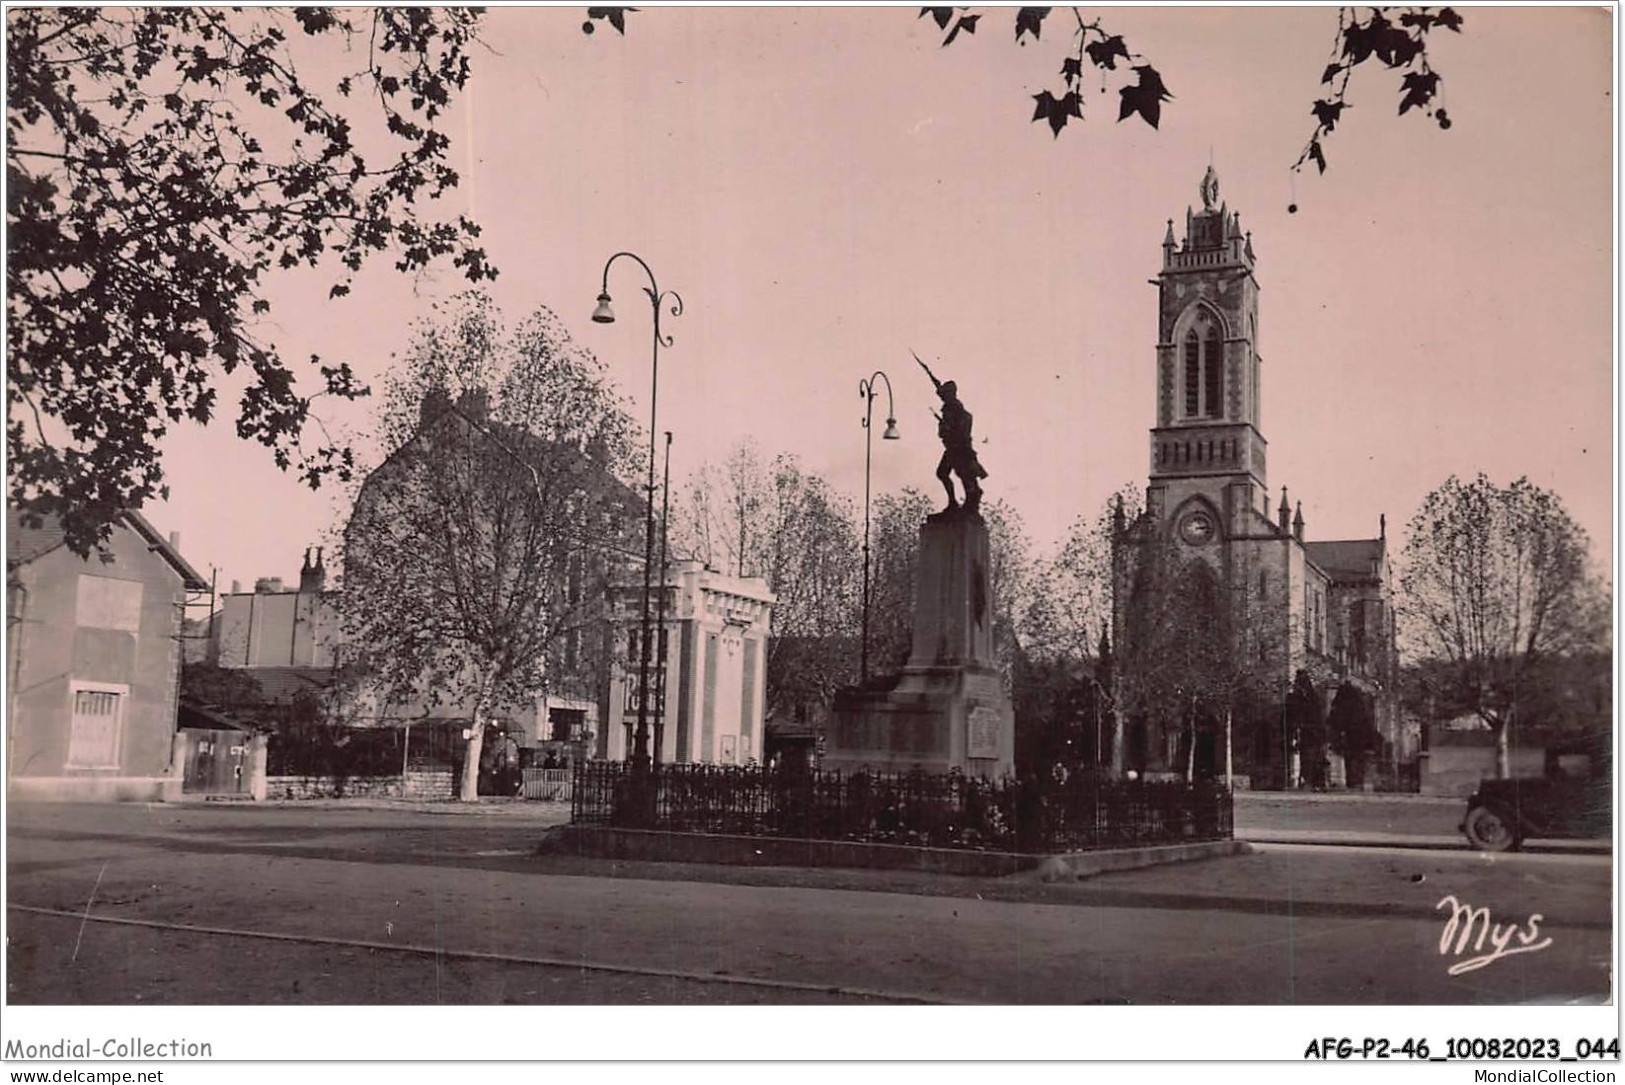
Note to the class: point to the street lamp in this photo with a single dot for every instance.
(866, 389)
(605, 315)
(660, 618)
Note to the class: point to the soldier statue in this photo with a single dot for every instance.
(958, 452)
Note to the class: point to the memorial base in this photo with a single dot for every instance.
(948, 709)
(935, 720)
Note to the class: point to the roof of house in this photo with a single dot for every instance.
(190, 715)
(25, 544)
(280, 685)
(158, 543)
(1347, 559)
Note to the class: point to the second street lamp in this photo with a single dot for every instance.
(606, 315)
(660, 619)
(866, 389)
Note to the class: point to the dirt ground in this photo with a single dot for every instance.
(252, 905)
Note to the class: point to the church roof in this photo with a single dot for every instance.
(1347, 559)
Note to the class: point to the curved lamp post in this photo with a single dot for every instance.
(660, 607)
(866, 389)
(605, 315)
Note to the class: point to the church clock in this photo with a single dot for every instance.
(1197, 529)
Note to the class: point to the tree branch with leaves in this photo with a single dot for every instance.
(162, 163)
(1396, 37)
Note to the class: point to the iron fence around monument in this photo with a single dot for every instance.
(1042, 815)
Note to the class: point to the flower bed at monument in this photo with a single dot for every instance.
(944, 811)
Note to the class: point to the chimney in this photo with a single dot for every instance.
(435, 403)
(475, 404)
(312, 574)
(175, 541)
(268, 585)
(236, 587)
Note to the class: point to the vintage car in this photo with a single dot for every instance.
(1502, 814)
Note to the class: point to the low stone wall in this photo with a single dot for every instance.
(416, 784)
(428, 784)
(1456, 770)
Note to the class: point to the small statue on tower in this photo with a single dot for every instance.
(1210, 189)
(958, 451)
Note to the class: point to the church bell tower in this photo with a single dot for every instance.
(1207, 451)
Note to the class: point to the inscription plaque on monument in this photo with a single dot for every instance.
(982, 739)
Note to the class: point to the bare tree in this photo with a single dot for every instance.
(1071, 597)
(1495, 579)
(778, 521)
(1010, 582)
(477, 556)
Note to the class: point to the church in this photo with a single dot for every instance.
(1301, 630)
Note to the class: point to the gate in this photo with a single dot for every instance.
(548, 785)
(217, 762)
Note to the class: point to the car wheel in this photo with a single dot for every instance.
(1489, 830)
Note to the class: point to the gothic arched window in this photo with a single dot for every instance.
(1204, 367)
(1214, 361)
(1193, 374)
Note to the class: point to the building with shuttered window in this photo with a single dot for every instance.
(93, 663)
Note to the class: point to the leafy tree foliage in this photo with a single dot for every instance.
(616, 17)
(1089, 41)
(160, 162)
(1351, 731)
(1071, 598)
(1067, 651)
(213, 686)
(478, 556)
(1307, 731)
(1056, 710)
(1494, 581)
(1398, 39)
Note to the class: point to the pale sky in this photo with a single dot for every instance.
(828, 188)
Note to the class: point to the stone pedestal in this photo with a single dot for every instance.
(947, 709)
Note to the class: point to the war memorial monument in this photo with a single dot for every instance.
(947, 709)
